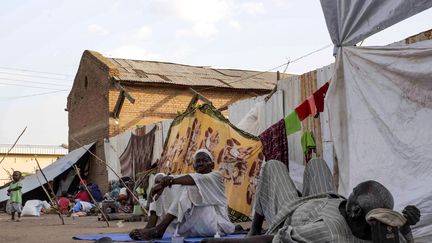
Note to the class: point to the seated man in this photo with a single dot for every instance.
(318, 215)
(195, 204)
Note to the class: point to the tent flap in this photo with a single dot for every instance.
(51, 171)
(380, 106)
(351, 21)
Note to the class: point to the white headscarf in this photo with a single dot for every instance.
(203, 150)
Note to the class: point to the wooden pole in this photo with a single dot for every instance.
(115, 173)
(16, 141)
(53, 202)
(91, 196)
(52, 191)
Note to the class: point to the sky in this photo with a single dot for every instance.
(42, 42)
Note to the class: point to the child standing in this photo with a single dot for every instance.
(15, 194)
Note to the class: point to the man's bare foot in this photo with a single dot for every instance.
(145, 234)
(18, 220)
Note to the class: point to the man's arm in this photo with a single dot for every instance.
(186, 180)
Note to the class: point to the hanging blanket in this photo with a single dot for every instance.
(238, 155)
(275, 142)
(138, 154)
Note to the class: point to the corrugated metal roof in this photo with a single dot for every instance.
(34, 149)
(179, 74)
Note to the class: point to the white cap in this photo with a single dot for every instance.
(203, 150)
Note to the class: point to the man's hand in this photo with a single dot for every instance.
(412, 214)
(156, 191)
(166, 181)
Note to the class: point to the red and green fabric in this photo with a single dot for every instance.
(292, 123)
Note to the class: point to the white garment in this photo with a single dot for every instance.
(86, 206)
(251, 121)
(202, 210)
(123, 191)
(33, 207)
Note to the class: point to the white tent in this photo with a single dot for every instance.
(51, 171)
(380, 104)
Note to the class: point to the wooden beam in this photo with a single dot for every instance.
(201, 97)
(119, 104)
(126, 94)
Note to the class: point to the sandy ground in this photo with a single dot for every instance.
(48, 228)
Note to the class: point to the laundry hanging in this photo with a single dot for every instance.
(275, 142)
(138, 154)
(311, 106)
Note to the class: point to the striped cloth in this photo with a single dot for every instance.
(314, 217)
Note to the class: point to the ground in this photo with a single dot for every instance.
(48, 228)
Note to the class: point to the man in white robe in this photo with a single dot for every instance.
(195, 203)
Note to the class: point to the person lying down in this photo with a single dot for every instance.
(194, 204)
(319, 214)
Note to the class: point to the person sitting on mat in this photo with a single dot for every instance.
(193, 204)
(318, 215)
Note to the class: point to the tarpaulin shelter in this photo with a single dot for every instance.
(31, 184)
(380, 104)
(237, 154)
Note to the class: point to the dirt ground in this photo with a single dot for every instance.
(48, 228)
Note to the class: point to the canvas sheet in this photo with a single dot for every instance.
(237, 155)
(351, 21)
(380, 111)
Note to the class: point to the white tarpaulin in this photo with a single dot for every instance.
(380, 104)
(51, 171)
(380, 118)
(351, 21)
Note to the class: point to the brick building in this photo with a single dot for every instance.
(111, 95)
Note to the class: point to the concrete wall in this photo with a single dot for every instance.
(24, 163)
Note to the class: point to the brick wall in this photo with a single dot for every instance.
(155, 103)
(88, 113)
(93, 98)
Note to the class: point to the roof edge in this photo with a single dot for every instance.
(112, 70)
(139, 83)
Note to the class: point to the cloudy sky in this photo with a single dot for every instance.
(42, 42)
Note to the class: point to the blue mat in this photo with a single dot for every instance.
(126, 238)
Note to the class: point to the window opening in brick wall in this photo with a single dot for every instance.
(85, 82)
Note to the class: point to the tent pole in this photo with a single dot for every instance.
(51, 200)
(91, 196)
(115, 173)
(52, 191)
